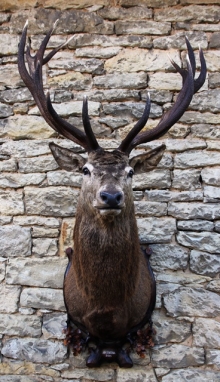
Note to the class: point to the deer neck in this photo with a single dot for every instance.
(106, 255)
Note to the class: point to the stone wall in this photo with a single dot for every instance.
(119, 49)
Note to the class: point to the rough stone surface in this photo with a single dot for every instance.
(206, 241)
(205, 263)
(156, 230)
(178, 356)
(42, 298)
(20, 325)
(206, 332)
(15, 241)
(9, 298)
(11, 202)
(168, 257)
(197, 375)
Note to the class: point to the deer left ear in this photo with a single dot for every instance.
(147, 161)
(67, 159)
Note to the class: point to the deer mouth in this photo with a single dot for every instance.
(105, 211)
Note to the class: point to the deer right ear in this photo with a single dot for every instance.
(67, 159)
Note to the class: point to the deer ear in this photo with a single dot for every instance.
(67, 159)
(147, 161)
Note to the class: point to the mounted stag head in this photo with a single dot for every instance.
(109, 288)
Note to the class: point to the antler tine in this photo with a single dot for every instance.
(34, 82)
(87, 126)
(190, 86)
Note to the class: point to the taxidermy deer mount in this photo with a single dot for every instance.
(109, 288)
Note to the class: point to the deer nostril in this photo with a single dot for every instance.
(111, 199)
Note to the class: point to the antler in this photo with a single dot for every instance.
(33, 80)
(190, 86)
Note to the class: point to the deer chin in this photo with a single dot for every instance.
(109, 211)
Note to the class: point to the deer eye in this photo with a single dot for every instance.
(86, 171)
(130, 173)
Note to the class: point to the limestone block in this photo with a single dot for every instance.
(211, 175)
(37, 221)
(212, 59)
(5, 110)
(5, 220)
(45, 232)
(42, 298)
(204, 241)
(53, 325)
(8, 165)
(204, 263)
(136, 374)
(11, 203)
(71, 81)
(23, 369)
(13, 96)
(121, 80)
(15, 241)
(194, 210)
(152, 179)
(162, 289)
(20, 325)
(22, 378)
(213, 80)
(196, 13)
(26, 127)
(195, 225)
(55, 201)
(213, 357)
(135, 13)
(8, 44)
(166, 196)
(20, 180)
(165, 81)
(168, 256)
(213, 145)
(179, 130)
(178, 145)
(2, 268)
(44, 247)
(156, 230)
(197, 159)
(43, 163)
(9, 298)
(177, 41)
(66, 61)
(206, 332)
(177, 356)
(168, 329)
(214, 286)
(146, 27)
(186, 179)
(46, 273)
(72, 108)
(102, 374)
(97, 52)
(9, 76)
(126, 61)
(34, 350)
(199, 118)
(150, 208)
(133, 108)
(181, 277)
(211, 194)
(196, 375)
(64, 178)
(206, 101)
(84, 39)
(217, 226)
(190, 301)
(149, 3)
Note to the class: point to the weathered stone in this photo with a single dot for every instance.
(5, 220)
(37, 164)
(126, 61)
(204, 263)
(156, 230)
(168, 329)
(191, 117)
(25, 369)
(168, 257)
(55, 201)
(211, 175)
(15, 95)
(191, 301)
(64, 178)
(165, 81)
(197, 159)
(153, 179)
(179, 131)
(45, 232)
(134, 109)
(15, 241)
(214, 286)
(90, 374)
(115, 13)
(66, 61)
(205, 131)
(195, 225)
(197, 13)
(36, 221)
(178, 356)
(213, 80)
(212, 59)
(213, 357)
(211, 194)
(149, 3)
(53, 325)
(20, 325)
(11, 203)
(213, 145)
(177, 145)
(194, 211)
(150, 208)
(34, 350)
(71, 81)
(20, 180)
(9, 298)
(72, 108)
(5, 110)
(46, 273)
(97, 52)
(217, 226)
(8, 165)
(204, 241)
(181, 277)
(134, 80)
(22, 378)
(8, 44)
(136, 374)
(196, 375)
(9, 76)
(166, 196)
(177, 41)
(146, 27)
(206, 101)
(206, 332)
(44, 247)
(2, 268)
(42, 298)
(186, 179)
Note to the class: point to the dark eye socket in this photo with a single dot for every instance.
(130, 173)
(86, 171)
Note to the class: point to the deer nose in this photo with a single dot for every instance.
(112, 200)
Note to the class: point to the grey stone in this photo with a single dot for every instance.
(194, 210)
(156, 230)
(2, 268)
(164, 81)
(195, 225)
(8, 44)
(45, 232)
(162, 289)
(196, 159)
(212, 58)
(205, 130)
(25, 127)
(115, 13)
(214, 286)
(102, 374)
(204, 263)
(20, 325)
(15, 95)
(177, 356)
(136, 374)
(149, 3)
(37, 164)
(211, 175)
(206, 101)
(150, 208)
(181, 277)
(9, 180)
(11, 203)
(197, 13)
(166, 196)
(97, 52)
(68, 81)
(37, 221)
(66, 61)
(42, 298)
(168, 257)
(9, 76)
(121, 80)
(213, 357)
(204, 241)
(53, 325)
(9, 298)
(153, 179)
(178, 145)
(177, 41)
(134, 109)
(72, 108)
(214, 80)
(186, 179)
(196, 117)
(5, 110)
(212, 145)
(179, 131)
(46, 273)
(20, 378)
(5, 220)
(217, 226)
(146, 27)
(206, 332)
(15, 241)
(64, 178)
(168, 329)
(34, 350)
(214, 40)
(55, 201)
(191, 301)
(8, 165)
(44, 247)
(211, 194)
(196, 375)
